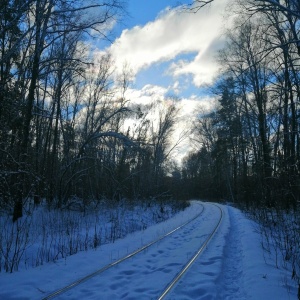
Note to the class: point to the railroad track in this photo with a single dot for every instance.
(119, 261)
(183, 271)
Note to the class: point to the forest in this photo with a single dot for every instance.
(249, 144)
(64, 110)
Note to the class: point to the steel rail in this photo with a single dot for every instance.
(85, 278)
(171, 285)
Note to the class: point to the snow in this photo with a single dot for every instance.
(233, 266)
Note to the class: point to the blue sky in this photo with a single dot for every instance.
(143, 11)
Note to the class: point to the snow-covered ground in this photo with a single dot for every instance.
(233, 266)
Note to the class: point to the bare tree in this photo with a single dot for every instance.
(39, 42)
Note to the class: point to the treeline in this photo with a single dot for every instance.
(62, 111)
(248, 146)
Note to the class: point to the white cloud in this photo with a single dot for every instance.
(203, 67)
(146, 95)
(189, 108)
(171, 34)
(176, 87)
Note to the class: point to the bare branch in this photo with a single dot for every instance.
(196, 5)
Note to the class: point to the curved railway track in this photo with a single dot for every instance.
(103, 269)
(172, 284)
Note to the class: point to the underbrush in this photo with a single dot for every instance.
(280, 231)
(45, 235)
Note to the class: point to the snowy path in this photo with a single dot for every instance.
(231, 275)
(232, 267)
(147, 274)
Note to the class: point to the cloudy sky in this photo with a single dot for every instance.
(168, 51)
(169, 48)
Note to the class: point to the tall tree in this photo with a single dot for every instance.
(39, 42)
